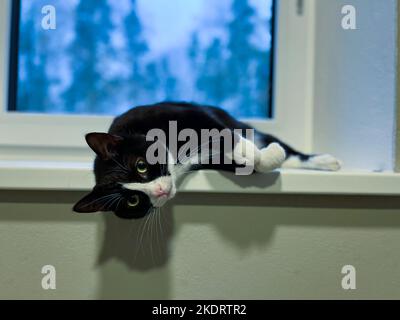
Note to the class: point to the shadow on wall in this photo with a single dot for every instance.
(144, 245)
(143, 268)
(134, 256)
(134, 259)
(152, 234)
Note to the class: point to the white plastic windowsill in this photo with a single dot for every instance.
(76, 176)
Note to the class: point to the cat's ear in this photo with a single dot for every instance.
(104, 144)
(92, 202)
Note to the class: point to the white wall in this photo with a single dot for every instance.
(355, 83)
(210, 247)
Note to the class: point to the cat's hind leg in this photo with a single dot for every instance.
(273, 154)
(324, 162)
(294, 159)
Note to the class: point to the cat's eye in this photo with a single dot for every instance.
(141, 166)
(133, 201)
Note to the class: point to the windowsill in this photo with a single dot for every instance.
(69, 176)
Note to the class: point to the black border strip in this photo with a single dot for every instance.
(248, 309)
(14, 56)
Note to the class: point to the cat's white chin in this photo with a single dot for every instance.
(160, 202)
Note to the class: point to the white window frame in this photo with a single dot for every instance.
(61, 137)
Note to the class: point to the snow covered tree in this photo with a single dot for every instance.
(89, 90)
(33, 83)
(136, 50)
(212, 77)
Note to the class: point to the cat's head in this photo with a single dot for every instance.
(126, 183)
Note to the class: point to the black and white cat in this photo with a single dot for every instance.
(132, 187)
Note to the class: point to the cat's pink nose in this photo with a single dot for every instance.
(161, 192)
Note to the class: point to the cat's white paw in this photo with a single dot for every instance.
(245, 153)
(324, 162)
(272, 157)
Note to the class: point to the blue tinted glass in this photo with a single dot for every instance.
(103, 57)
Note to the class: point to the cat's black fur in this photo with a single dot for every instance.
(119, 150)
(141, 119)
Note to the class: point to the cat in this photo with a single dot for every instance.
(131, 186)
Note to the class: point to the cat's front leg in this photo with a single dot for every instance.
(265, 160)
(272, 157)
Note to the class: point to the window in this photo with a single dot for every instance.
(104, 57)
(47, 126)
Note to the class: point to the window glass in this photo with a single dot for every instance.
(104, 57)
